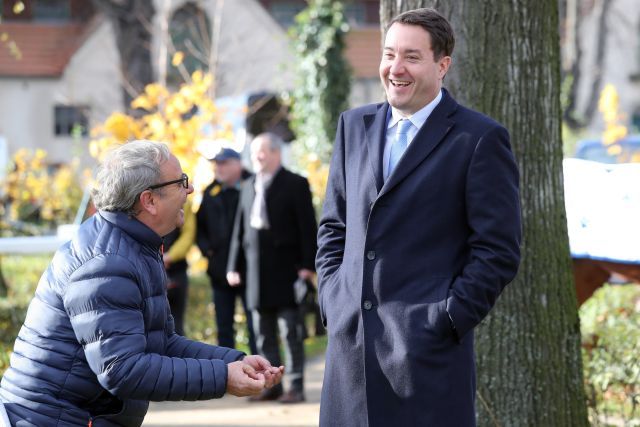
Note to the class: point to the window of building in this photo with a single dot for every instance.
(71, 120)
(190, 33)
(47, 10)
(51, 10)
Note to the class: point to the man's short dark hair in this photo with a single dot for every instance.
(442, 37)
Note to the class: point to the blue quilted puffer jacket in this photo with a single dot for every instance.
(98, 342)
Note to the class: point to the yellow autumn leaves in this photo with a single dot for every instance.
(609, 106)
(38, 194)
(178, 119)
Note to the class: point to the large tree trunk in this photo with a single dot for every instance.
(506, 64)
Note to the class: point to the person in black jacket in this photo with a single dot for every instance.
(275, 230)
(214, 226)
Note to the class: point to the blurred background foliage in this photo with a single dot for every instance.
(321, 93)
(610, 324)
(38, 196)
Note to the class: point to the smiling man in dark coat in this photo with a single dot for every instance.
(415, 246)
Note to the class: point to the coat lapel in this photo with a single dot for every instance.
(426, 140)
(375, 126)
(275, 186)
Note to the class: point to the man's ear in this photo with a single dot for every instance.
(147, 201)
(443, 66)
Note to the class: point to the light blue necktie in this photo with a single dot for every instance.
(400, 144)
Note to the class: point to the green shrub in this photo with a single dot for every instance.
(610, 324)
(22, 273)
(11, 317)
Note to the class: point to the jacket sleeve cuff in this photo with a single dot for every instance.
(460, 322)
(233, 356)
(220, 373)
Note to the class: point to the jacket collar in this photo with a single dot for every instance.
(134, 228)
(426, 140)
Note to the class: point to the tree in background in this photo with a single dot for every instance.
(131, 21)
(507, 64)
(322, 88)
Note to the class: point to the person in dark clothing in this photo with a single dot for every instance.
(275, 230)
(175, 247)
(214, 226)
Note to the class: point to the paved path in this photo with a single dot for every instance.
(232, 411)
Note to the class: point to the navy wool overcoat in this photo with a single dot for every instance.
(409, 266)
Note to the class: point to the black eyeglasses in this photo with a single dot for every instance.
(184, 180)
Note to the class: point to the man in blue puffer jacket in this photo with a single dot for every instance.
(98, 342)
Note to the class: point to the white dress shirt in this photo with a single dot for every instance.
(417, 120)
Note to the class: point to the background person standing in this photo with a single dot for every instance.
(275, 228)
(215, 219)
(175, 247)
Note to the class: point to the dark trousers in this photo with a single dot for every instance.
(177, 293)
(224, 300)
(289, 322)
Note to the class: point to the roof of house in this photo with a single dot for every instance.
(363, 51)
(43, 50)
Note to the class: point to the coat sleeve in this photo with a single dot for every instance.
(179, 346)
(493, 215)
(105, 308)
(333, 222)
(202, 229)
(306, 223)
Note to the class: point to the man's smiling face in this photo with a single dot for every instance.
(410, 74)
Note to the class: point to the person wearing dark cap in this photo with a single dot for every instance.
(214, 226)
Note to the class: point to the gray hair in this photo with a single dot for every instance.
(275, 142)
(127, 171)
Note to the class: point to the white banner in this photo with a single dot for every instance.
(603, 210)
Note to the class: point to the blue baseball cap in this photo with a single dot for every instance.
(225, 154)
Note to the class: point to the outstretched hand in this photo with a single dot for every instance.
(243, 380)
(272, 374)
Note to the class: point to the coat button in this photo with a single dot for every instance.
(371, 255)
(367, 305)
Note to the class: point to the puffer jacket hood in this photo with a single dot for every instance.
(98, 341)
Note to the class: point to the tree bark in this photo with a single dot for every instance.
(131, 20)
(506, 64)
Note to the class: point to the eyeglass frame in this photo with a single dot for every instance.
(184, 179)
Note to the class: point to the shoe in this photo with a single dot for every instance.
(292, 396)
(267, 395)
